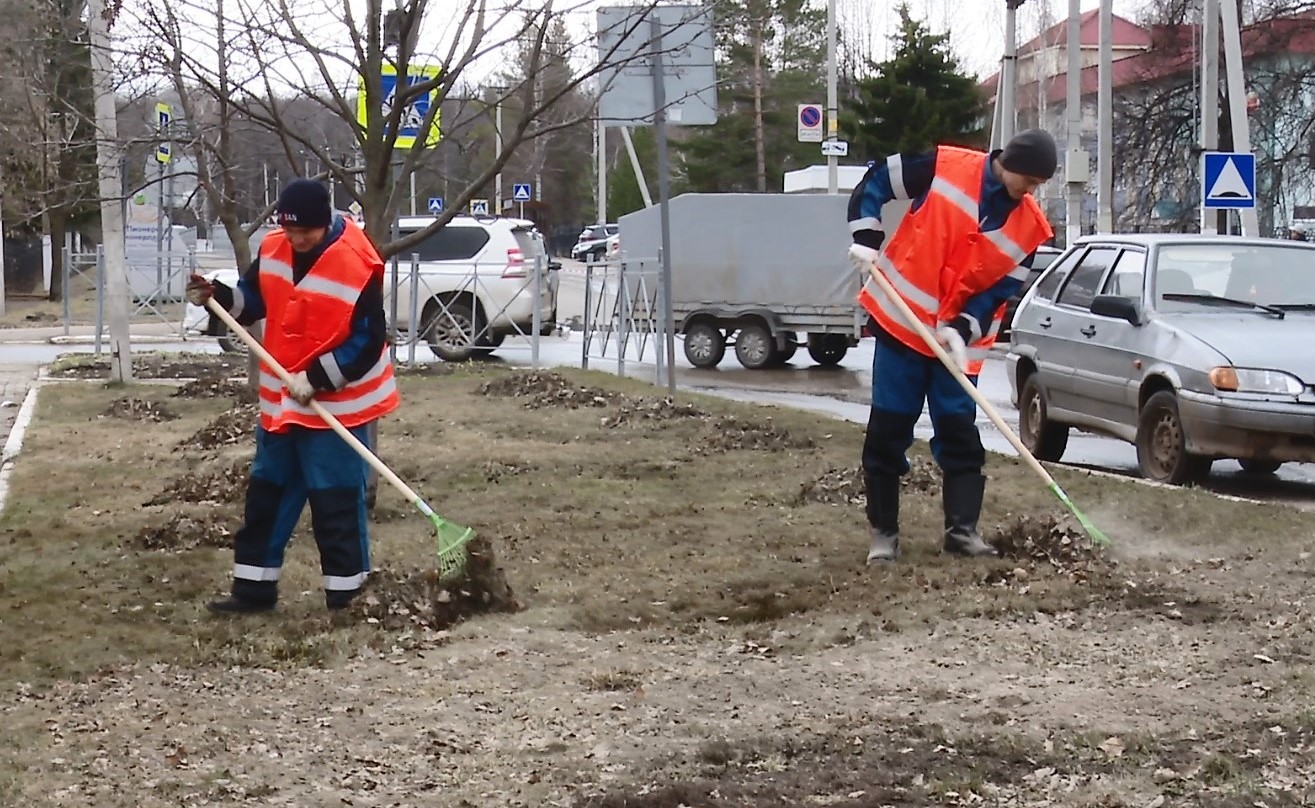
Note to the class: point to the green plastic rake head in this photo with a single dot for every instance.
(453, 540)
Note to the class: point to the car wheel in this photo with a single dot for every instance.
(449, 332)
(1162, 444)
(705, 345)
(827, 349)
(1045, 439)
(754, 346)
(1260, 466)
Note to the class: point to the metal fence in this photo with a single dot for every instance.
(155, 280)
(623, 314)
(462, 305)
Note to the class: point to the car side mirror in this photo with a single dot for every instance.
(1124, 308)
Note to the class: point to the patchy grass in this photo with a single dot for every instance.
(602, 523)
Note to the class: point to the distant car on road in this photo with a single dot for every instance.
(592, 245)
(1193, 348)
(1045, 256)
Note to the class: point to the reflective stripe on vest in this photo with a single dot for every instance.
(308, 319)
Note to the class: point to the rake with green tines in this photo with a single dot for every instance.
(1097, 537)
(452, 538)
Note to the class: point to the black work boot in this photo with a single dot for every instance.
(961, 497)
(236, 605)
(883, 518)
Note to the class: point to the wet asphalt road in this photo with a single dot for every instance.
(843, 391)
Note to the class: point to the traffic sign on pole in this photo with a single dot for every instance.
(810, 123)
(436, 205)
(163, 146)
(1228, 180)
(479, 207)
(521, 192)
(409, 134)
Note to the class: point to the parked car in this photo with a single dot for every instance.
(1193, 348)
(476, 284)
(1045, 256)
(592, 244)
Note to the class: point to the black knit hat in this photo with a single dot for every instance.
(303, 203)
(1032, 153)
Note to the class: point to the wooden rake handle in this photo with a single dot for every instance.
(361, 449)
(953, 367)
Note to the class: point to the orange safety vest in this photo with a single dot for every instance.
(306, 320)
(939, 256)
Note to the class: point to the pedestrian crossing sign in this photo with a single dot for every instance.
(1228, 180)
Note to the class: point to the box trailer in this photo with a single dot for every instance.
(762, 273)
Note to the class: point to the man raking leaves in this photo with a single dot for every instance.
(936, 294)
(318, 285)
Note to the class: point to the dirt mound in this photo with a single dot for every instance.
(546, 389)
(216, 387)
(227, 486)
(182, 532)
(924, 476)
(634, 412)
(416, 599)
(151, 366)
(229, 429)
(839, 486)
(1047, 540)
(730, 433)
(135, 409)
(835, 487)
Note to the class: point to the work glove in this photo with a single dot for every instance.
(301, 390)
(863, 258)
(199, 290)
(952, 341)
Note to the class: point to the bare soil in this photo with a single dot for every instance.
(666, 606)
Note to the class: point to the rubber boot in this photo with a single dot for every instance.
(961, 497)
(883, 518)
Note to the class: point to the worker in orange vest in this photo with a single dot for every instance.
(318, 286)
(961, 251)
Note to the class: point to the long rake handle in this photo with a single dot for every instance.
(968, 386)
(329, 418)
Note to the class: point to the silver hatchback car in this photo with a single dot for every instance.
(1193, 348)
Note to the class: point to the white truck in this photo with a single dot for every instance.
(764, 273)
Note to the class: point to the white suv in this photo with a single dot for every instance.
(476, 284)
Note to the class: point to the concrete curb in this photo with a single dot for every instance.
(14, 444)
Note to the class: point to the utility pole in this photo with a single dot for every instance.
(1209, 100)
(111, 193)
(832, 102)
(1237, 110)
(601, 143)
(1006, 93)
(1105, 122)
(497, 148)
(1077, 170)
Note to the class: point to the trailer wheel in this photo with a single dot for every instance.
(754, 346)
(827, 349)
(783, 355)
(705, 345)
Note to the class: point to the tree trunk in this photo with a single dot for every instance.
(759, 137)
(58, 229)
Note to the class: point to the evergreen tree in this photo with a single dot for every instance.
(769, 52)
(916, 100)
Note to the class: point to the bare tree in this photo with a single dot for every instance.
(1157, 116)
(262, 60)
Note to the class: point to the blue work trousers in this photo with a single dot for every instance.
(292, 468)
(902, 380)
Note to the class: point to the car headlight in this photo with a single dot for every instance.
(1255, 380)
